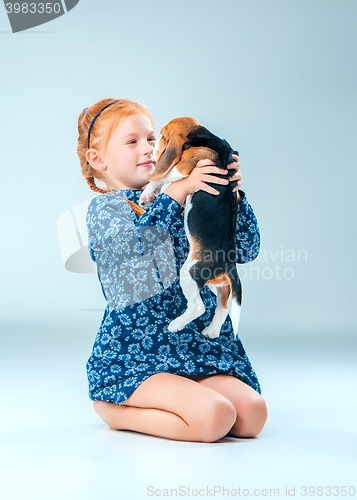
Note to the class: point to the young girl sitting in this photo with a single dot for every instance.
(142, 377)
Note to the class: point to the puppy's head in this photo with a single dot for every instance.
(174, 135)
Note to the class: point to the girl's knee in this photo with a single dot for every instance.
(217, 419)
(100, 407)
(108, 412)
(252, 415)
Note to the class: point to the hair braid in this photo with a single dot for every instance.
(94, 187)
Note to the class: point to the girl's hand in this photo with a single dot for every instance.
(199, 176)
(237, 176)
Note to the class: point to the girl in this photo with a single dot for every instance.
(141, 376)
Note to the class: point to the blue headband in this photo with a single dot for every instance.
(94, 119)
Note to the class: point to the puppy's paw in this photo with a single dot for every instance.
(149, 195)
(210, 332)
(145, 202)
(175, 325)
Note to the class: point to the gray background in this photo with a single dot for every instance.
(277, 79)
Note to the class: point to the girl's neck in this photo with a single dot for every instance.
(122, 186)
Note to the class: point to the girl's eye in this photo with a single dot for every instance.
(152, 139)
(132, 142)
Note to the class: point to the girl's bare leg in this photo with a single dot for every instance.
(173, 407)
(250, 406)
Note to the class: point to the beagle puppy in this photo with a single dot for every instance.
(210, 221)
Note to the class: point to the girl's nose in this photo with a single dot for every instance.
(149, 148)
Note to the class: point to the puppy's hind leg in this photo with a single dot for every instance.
(236, 303)
(195, 306)
(235, 314)
(213, 329)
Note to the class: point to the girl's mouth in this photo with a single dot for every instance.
(148, 164)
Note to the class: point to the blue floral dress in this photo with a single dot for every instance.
(133, 341)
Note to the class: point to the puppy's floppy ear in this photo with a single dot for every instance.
(169, 157)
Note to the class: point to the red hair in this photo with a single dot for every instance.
(102, 130)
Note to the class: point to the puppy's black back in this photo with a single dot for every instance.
(212, 220)
(201, 137)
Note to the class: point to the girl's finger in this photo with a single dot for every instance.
(213, 179)
(238, 186)
(208, 189)
(204, 163)
(212, 169)
(234, 164)
(236, 177)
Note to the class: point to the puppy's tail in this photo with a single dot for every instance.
(236, 298)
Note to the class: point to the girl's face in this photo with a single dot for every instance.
(129, 158)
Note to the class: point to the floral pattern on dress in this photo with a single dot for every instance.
(133, 341)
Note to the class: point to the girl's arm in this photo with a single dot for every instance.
(162, 213)
(247, 234)
(135, 258)
(113, 227)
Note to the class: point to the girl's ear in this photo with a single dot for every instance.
(95, 160)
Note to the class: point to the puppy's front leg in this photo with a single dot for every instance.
(154, 187)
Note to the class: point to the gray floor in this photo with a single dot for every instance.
(53, 445)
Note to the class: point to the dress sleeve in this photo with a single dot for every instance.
(162, 212)
(247, 235)
(135, 258)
